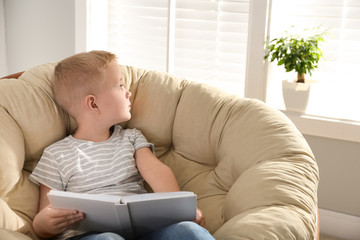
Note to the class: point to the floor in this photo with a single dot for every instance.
(325, 237)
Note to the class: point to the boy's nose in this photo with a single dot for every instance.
(128, 94)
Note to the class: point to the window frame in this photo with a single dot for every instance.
(256, 68)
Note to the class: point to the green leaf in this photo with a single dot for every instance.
(295, 52)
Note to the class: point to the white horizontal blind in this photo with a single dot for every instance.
(137, 32)
(207, 38)
(210, 42)
(337, 93)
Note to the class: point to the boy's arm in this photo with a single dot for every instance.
(50, 221)
(159, 176)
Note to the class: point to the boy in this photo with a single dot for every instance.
(100, 157)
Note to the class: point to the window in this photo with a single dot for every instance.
(138, 32)
(335, 95)
(222, 43)
(198, 39)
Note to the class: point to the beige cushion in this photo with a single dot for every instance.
(253, 172)
(10, 235)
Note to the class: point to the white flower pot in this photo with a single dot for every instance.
(296, 95)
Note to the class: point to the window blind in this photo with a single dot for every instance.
(335, 95)
(210, 42)
(137, 32)
(201, 40)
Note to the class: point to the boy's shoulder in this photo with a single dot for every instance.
(60, 143)
(129, 131)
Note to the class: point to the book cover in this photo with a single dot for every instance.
(130, 216)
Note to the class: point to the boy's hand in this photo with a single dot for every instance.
(51, 221)
(200, 219)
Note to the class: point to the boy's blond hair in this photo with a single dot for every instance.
(78, 76)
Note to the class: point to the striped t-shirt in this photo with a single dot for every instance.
(81, 166)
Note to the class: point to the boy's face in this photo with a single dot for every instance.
(113, 99)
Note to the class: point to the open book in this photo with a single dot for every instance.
(130, 216)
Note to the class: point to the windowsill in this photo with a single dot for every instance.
(325, 127)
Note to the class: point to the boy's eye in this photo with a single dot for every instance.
(121, 85)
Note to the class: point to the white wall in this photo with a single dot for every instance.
(38, 31)
(339, 165)
(3, 60)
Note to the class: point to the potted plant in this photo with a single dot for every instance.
(299, 53)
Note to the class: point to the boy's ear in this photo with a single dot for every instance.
(90, 103)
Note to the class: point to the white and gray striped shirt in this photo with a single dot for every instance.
(81, 166)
